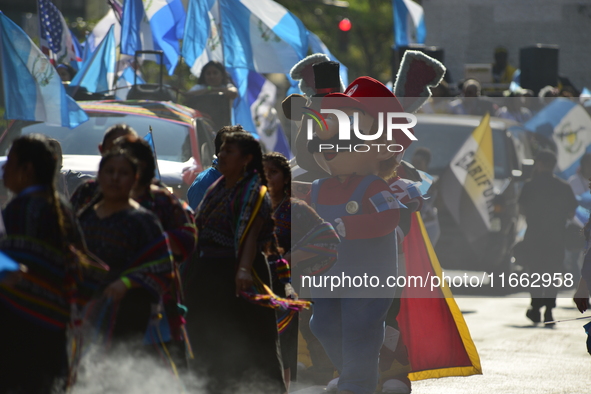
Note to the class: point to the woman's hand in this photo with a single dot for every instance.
(116, 290)
(243, 280)
(230, 92)
(581, 297)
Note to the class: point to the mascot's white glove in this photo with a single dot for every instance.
(340, 227)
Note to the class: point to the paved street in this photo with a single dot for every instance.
(517, 357)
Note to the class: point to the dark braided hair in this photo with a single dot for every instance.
(219, 137)
(281, 162)
(37, 150)
(248, 145)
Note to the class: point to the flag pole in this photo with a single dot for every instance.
(116, 77)
(221, 34)
(561, 321)
(155, 155)
(118, 57)
(180, 79)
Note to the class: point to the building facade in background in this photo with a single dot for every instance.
(470, 30)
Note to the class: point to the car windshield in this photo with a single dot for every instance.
(444, 141)
(171, 140)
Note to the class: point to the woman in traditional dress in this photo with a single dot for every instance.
(88, 191)
(315, 252)
(130, 240)
(278, 176)
(175, 215)
(177, 220)
(35, 306)
(235, 340)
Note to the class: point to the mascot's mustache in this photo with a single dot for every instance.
(315, 142)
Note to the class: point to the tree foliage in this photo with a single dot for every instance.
(370, 39)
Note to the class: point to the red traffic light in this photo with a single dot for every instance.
(345, 24)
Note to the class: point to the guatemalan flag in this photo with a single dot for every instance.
(153, 25)
(202, 41)
(33, 89)
(409, 23)
(254, 110)
(55, 36)
(97, 74)
(568, 125)
(258, 35)
(261, 35)
(100, 31)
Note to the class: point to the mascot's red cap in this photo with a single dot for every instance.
(381, 100)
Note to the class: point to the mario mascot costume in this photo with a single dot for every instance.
(349, 319)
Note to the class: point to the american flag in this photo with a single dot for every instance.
(56, 39)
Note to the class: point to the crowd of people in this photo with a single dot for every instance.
(124, 247)
(210, 281)
(125, 243)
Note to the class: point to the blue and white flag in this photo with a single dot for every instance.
(317, 46)
(254, 110)
(261, 35)
(409, 23)
(258, 35)
(54, 35)
(384, 201)
(100, 31)
(426, 182)
(163, 30)
(150, 139)
(202, 41)
(79, 49)
(125, 82)
(582, 211)
(568, 125)
(97, 74)
(33, 89)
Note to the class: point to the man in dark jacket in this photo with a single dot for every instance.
(547, 203)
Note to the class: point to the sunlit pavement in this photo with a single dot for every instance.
(516, 356)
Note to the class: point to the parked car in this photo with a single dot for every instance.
(444, 135)
(183, 137)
